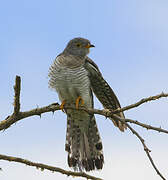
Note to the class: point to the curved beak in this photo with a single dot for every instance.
(89, 46)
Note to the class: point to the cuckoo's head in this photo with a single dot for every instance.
(78, 46)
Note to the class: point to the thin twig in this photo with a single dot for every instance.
(17, 95)
(146, 149)
(142, 101)
(44, 166)
(148, 127)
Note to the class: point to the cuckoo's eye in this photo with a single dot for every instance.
(78, 45)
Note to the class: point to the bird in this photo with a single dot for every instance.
(75, 77)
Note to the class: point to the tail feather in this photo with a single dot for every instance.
(83, 143)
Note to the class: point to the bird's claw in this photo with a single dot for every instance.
(78, 100)
(62, 106)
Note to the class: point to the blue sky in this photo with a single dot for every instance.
(131, 51)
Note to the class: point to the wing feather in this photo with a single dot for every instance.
(103, 91)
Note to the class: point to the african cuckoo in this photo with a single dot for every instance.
(75, 76)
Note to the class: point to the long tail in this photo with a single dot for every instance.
(83, 142)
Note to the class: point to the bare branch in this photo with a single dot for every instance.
(17, 95)
(146, 149)
(142, 101)
(54, 107)
(148, 127)
(44, 166)
(21, 115)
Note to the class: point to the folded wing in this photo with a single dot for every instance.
(103, 91)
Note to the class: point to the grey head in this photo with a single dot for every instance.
(78, 46)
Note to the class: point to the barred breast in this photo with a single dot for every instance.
(70, 79)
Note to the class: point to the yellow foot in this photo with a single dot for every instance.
(62, 106)
(77, 102)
